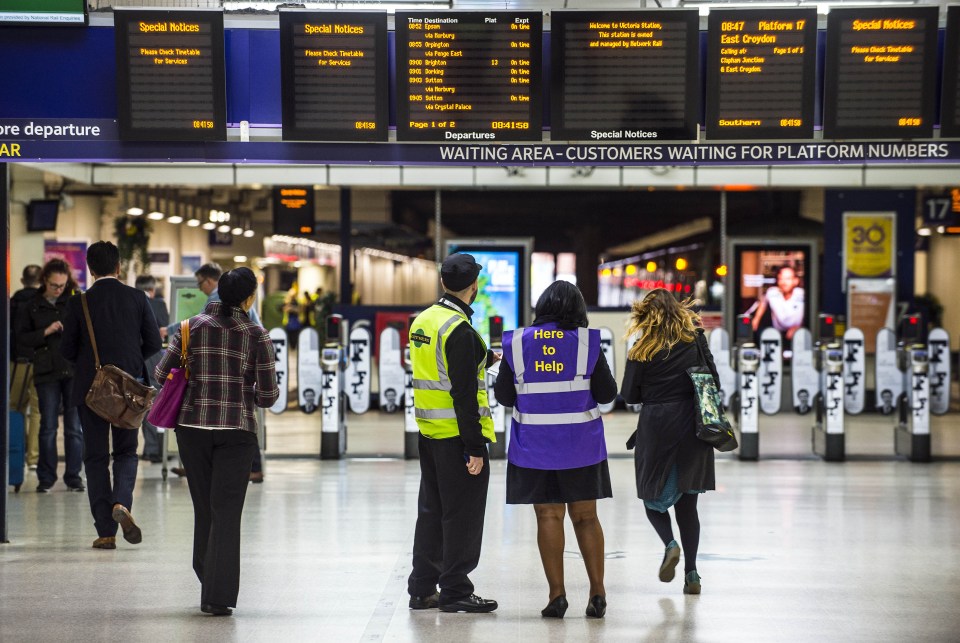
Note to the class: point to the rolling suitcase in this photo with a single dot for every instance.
(17, 451)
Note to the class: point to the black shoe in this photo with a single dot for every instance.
(425, 602)
(216, 610)
(78, 487)
(472, 604)
(555, 608)
(43, 488)
(597, 606)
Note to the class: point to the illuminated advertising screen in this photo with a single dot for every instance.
(881, 68)
(772, 286)
(170, 75)
(503, 285)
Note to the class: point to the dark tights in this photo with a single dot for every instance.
(689, 523)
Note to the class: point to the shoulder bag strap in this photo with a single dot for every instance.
(93, 338)
(184, 342)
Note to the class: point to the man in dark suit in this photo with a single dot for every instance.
(127, 333)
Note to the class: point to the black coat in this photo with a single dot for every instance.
(33, 317)
(17, 302)
(125, 328)
(666, 429)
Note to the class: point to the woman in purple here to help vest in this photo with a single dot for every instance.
(553, 374)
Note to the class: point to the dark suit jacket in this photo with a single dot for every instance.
(125, 328)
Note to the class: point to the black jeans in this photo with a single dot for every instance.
(97, 435)
(218, 472)
(446, 543)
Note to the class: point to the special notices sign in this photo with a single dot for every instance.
(170, 75)
(624, 75)
(468, 76)
(761, 68)
(880, 72)
(334, 75)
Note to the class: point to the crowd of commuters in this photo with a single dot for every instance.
(552, 374)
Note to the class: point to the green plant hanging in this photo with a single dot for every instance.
(133, 239)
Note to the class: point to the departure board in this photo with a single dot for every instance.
(761, 70)
(334, 75)
(880, 72)
(950, 103)
(468, 76)
(170, 77)
(624, 75)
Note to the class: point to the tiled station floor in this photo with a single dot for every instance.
(793, 549)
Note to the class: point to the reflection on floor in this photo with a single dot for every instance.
(792, 550)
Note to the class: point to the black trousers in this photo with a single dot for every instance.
(446, 544)
(218, 471)
(97, 435)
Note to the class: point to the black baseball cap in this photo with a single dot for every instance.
(459, 270)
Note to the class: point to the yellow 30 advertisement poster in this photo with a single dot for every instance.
(868, 244)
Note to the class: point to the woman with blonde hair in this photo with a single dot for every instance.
(673, 466)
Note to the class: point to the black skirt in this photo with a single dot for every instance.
(541, 487)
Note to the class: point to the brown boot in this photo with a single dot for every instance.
(107, 542)
(131, 533)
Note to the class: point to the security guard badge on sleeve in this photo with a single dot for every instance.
(419, 339)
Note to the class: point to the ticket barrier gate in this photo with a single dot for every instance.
(411, 432)
(498, 449)
(333, 397)
(748, 405)
(912, 433)
(828, 436)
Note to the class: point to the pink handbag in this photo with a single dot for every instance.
(166, 408)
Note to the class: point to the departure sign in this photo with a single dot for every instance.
(761, 68)
(625, 75)
(950, 106)
(334, 73)
(170, 78)
(880, 72)
(468, 76)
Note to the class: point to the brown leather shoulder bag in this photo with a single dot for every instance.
(115, 395)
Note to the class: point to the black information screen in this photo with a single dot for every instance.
(468, 76)
(950, 105)
(293, 210)
(880, 72)
(761, 70)
(624, 75)
(334, 75)
(170, 77)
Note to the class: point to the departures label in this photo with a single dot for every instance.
(468, 76)
(761, 67)
(880, 72)
(170, 75)
(624, 75)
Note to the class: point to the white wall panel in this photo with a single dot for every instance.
(584, 177)
(820, 176)
(431, 176)
(747, 175)
(501, 177)
(658, 176)
(164, 174)
(364, 175)
(910, 176)
(282, 174)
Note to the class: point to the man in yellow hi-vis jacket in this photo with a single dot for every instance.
(449, 360)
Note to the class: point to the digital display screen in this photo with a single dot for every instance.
(761, 70)
(334, 75)
(624, 75)
(71, 13)
(771, 287)
(42, 215)
(170, 75)
(294, 211)
(880, 72)
(950, 103)
(501, 286)
(468, 76)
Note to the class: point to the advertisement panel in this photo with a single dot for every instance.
(869, 241)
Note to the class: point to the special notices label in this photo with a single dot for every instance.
(761, 67)
(468, 76)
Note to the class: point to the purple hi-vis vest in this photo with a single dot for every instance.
(556, 422)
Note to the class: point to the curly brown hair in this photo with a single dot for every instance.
(60, 267)
(662, 322)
